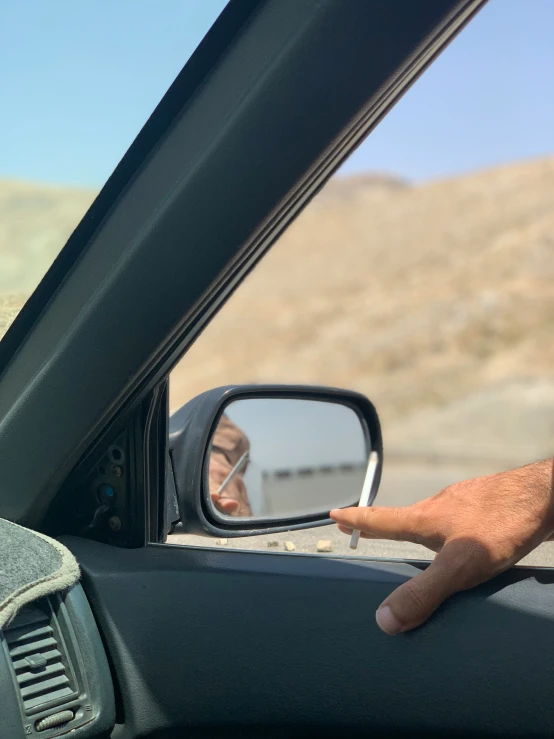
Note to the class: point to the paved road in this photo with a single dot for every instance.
(402, 484)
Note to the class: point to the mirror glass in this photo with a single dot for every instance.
(285, 458)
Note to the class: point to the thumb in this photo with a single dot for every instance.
(416, 600)
(225, 505)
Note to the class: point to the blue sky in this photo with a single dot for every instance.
(289, 434)
(79, 79)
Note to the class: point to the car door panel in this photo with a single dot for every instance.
(202, 640)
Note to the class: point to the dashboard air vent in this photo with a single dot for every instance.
(39, 660)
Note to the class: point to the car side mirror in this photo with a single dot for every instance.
(260, 459)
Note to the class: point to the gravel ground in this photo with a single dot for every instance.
(306, 541)
(401, 485)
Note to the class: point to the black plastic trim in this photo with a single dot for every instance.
(134, 513)
(212, 643)
(92, 701)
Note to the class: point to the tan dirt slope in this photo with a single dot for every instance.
(418, 296)
(414, 295)
(35, 222)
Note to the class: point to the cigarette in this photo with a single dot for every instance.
(366, 492)
(233, 472)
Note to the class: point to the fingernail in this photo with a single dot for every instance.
(387, 621)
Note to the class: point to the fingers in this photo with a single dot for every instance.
(480, 527)
(461, 564)
(416, 600)
(348, 531)
(399, 524)
(225, 505)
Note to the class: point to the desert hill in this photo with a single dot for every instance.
(423, 297)
(417, 296)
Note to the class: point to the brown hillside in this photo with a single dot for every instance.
(35, 222)
(417, 296)
(413, 295)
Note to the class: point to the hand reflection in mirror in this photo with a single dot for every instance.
(228, 463)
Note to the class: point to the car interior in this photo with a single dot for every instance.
(164, 641)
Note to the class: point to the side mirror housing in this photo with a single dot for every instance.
(257, 459)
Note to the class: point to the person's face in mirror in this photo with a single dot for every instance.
(229, 445)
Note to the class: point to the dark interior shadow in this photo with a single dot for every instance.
(245, 644)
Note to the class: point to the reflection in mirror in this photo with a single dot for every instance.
(285, 458)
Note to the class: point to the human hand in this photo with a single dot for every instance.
(229, 444)
(233, 501)
(479, 528)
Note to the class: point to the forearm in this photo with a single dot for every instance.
(537, 481)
